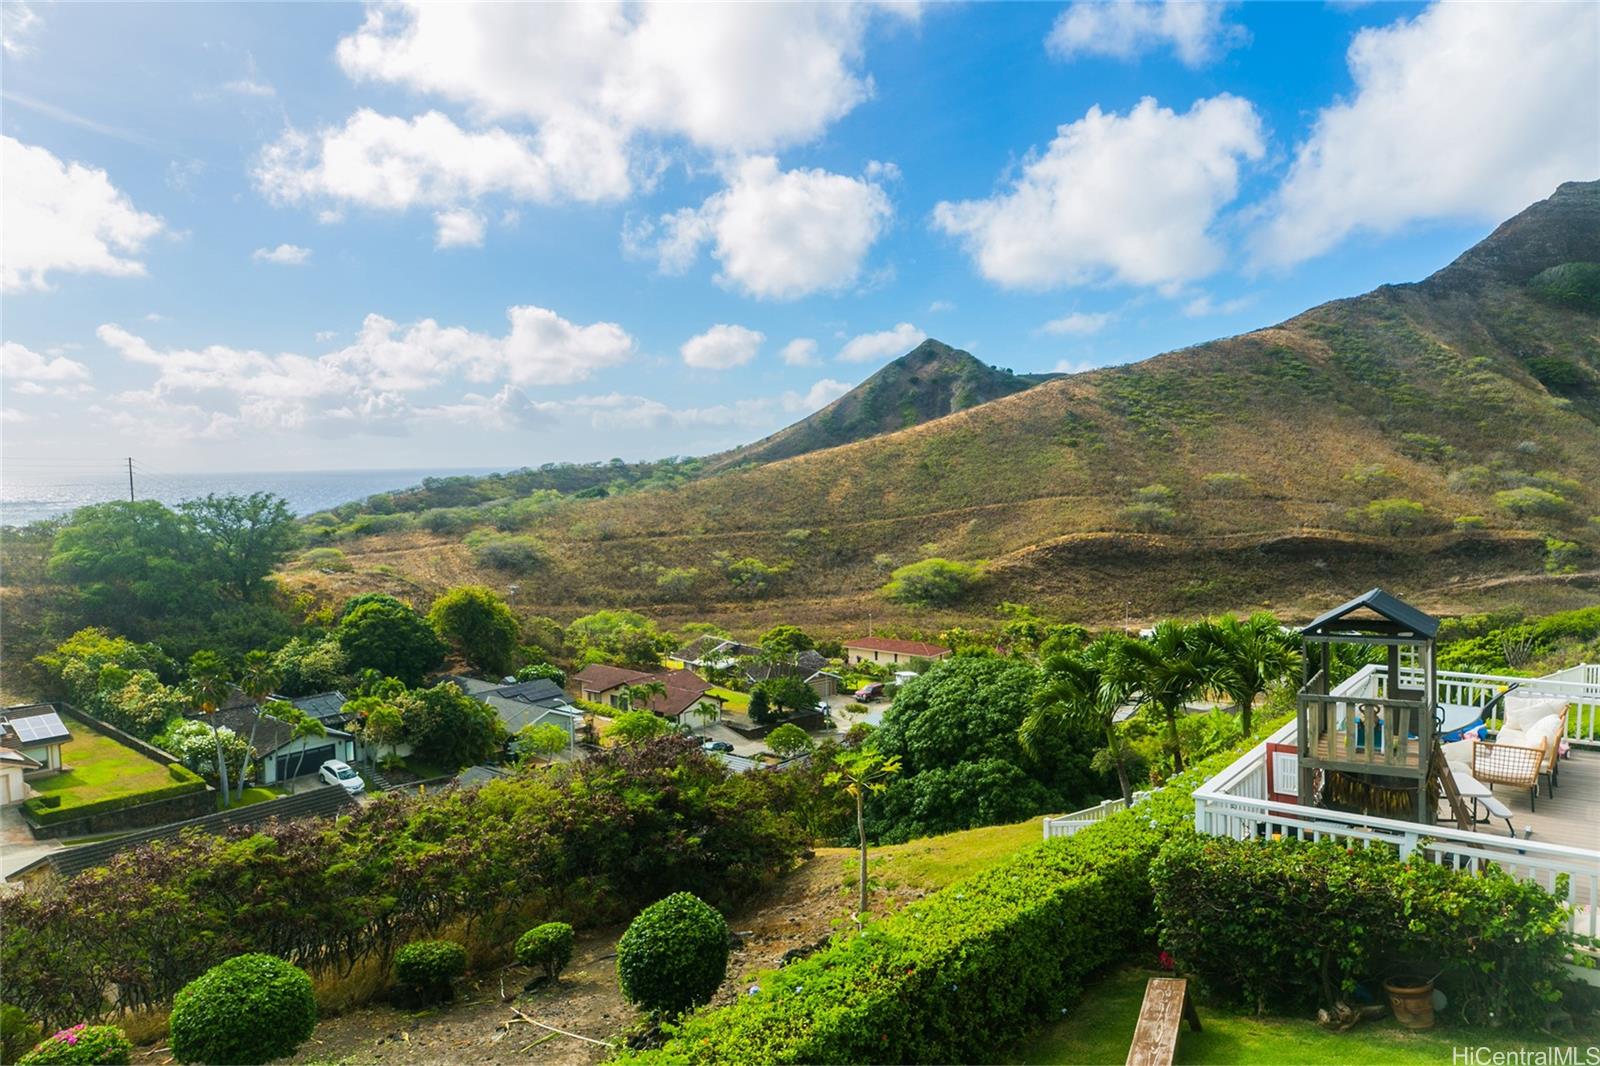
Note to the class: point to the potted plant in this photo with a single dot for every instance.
(1411, 999)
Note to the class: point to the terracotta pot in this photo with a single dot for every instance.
(1411, 999)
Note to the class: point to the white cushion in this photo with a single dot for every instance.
(1516, 738)
(1545, 732)
(1458, 753)
(1521, 712)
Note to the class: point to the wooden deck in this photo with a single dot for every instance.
(1571, 816)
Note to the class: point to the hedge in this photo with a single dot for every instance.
(1288, 925)
(970, 967)
(250, 1009)
(41, 811)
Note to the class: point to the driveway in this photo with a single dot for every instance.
(17, 846)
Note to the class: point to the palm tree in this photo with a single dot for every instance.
(1081, 691)
(861, 772)
(257, 680)
(1254, 653)
(209, 687)
(1172, 667)
(640, 695)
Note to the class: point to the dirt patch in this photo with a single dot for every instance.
(797, 915)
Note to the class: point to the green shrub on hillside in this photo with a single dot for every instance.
(81, 1045)
(1226, 485)
(546, 947)
(1321, 917)
(1555, 374)
(1528, 502)
(1469, 523)
(1150, 517)
(1562, 556)
(249, 1009)
(426, 970)
(1395, 516)
(516, 553)
(325, 559)
(932, 583)
(674, 955)
(1574, 285)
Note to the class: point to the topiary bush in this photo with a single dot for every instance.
(426, 970)
(81, 1045)
(547, 947)
(249, 1009)
(674, 955)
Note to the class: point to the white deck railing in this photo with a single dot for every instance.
(1578, 685)
(1234, 804)
(1067, 824)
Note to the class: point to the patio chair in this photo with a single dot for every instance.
(1509, 764)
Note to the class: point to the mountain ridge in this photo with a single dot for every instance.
(1431, 435)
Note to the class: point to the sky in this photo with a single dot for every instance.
(335, 236)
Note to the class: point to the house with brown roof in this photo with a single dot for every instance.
(890, 652)
(686, 690)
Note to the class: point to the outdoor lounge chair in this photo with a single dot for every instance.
(1509, 764)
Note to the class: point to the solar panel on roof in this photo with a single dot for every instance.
(38, 726)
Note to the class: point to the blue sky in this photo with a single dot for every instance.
(301, 236)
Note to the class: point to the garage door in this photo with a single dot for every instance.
(306, 762)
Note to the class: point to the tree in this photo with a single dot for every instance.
(380, 722)
(209, 686)
(750, 577)
(1253, 653)
(257, 680)
(789, 694)
(310, 666)
(544, 739)
(932, 583)
(638, 697)
(1172, 667)
(789, 741)
(479, 627)
(130, 562)
(1083, 691)
(786, 641)
(386, 635)
(621, 637)
(304, 726)
(242, 539)
(546, 671)
(636, 727)
(861, 772)
(447, 727)
(760, 711)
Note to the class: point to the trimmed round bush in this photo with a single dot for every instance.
(250, 1009)
(82, 1045)
(674, 954)
(426, 969)
(547, 947)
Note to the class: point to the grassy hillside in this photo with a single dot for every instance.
(1441, 437)
(928, 382)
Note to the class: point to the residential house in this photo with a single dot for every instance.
(13, 764)
(686, 690)
(888, 652)
(523, 703)
(279, 754)
(325, 707)
(714, 653)
(809, 666)
(39, 733)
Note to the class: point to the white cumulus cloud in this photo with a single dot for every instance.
(1465, 111)
(780, 234)
(722, 347)
(1126, 198)
(65, 217)
(816, 397)
(20, 364)
(802, 351)
(1195, 30)
(283, 255)
(884, 344)
(1078, 324)
(369, 384)
(459, 228)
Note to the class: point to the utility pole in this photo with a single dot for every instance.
(130, 479)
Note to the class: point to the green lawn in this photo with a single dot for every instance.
(1099, 1028)
(257, 794)
(101, 769)
(732, 701)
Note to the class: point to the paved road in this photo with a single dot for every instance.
(17, 846)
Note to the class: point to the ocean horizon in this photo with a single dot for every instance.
(31, 495)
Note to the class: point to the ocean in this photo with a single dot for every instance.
(30, 493)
